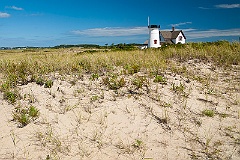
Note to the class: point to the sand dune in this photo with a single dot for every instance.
(81, 118)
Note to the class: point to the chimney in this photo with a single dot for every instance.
(173, 28)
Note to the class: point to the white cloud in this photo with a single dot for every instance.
(190, 33)
(228, 6)
(180, 24)
(15, 8)
(196, 34)
(36, 14)
(110, 32)
(203, 8)
(4, 15)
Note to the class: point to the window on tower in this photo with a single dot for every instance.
(155, 41)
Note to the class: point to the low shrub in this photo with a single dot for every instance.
(25, 115)
(209, 113)
(139, 81)
(131, 69)
(114, 82)
(160, 79)
(40, 81)
(10, 96)
(48, 84)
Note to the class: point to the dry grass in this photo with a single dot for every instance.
(42, 61)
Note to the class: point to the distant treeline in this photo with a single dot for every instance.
(120, 46)
(112, 46)
(78, 45)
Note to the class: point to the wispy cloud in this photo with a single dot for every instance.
(134, 31)
(203, 8)
(15, 8)
(110, 32)
(4, 15)
(222, 6)
(180, 24)
(227, 6)
(197, 34)
(36, 14)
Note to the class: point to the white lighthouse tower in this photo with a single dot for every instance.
(154, 40)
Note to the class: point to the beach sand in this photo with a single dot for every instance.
(81, 118)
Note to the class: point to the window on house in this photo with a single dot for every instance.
(155, 41)
(180, 38)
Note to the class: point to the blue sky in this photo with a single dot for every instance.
(55, 22)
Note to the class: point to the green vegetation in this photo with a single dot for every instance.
(48, 84)
(114, 82)
(19, 68)
(25, 115)
(10, 96)
(160, 79)
(94, 98)
(138, 144)
(178, 88)
(40, 81)
(209, 113)
(22, 67)
(140, 81)
(131, 69)
(94, 76)
(80, 45)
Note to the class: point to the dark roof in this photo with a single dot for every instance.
(169, 41)
(168, 35)
(154, 26)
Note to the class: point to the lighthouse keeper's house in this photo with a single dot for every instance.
(172, 37)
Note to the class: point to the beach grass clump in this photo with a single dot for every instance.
(94, 76)
(160, 79)
(25, 115)
(208, 113)
(114, 82)
(40, 81)
(178, 88)
(5, 86)
(131, 69)
(10, 96)
(94, 98)
(48, 84)
(140, 81)
(138, 144)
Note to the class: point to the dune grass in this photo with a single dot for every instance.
(22, 66)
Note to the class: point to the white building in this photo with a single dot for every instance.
(157, 37)
(154, 38)
(172, 37)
